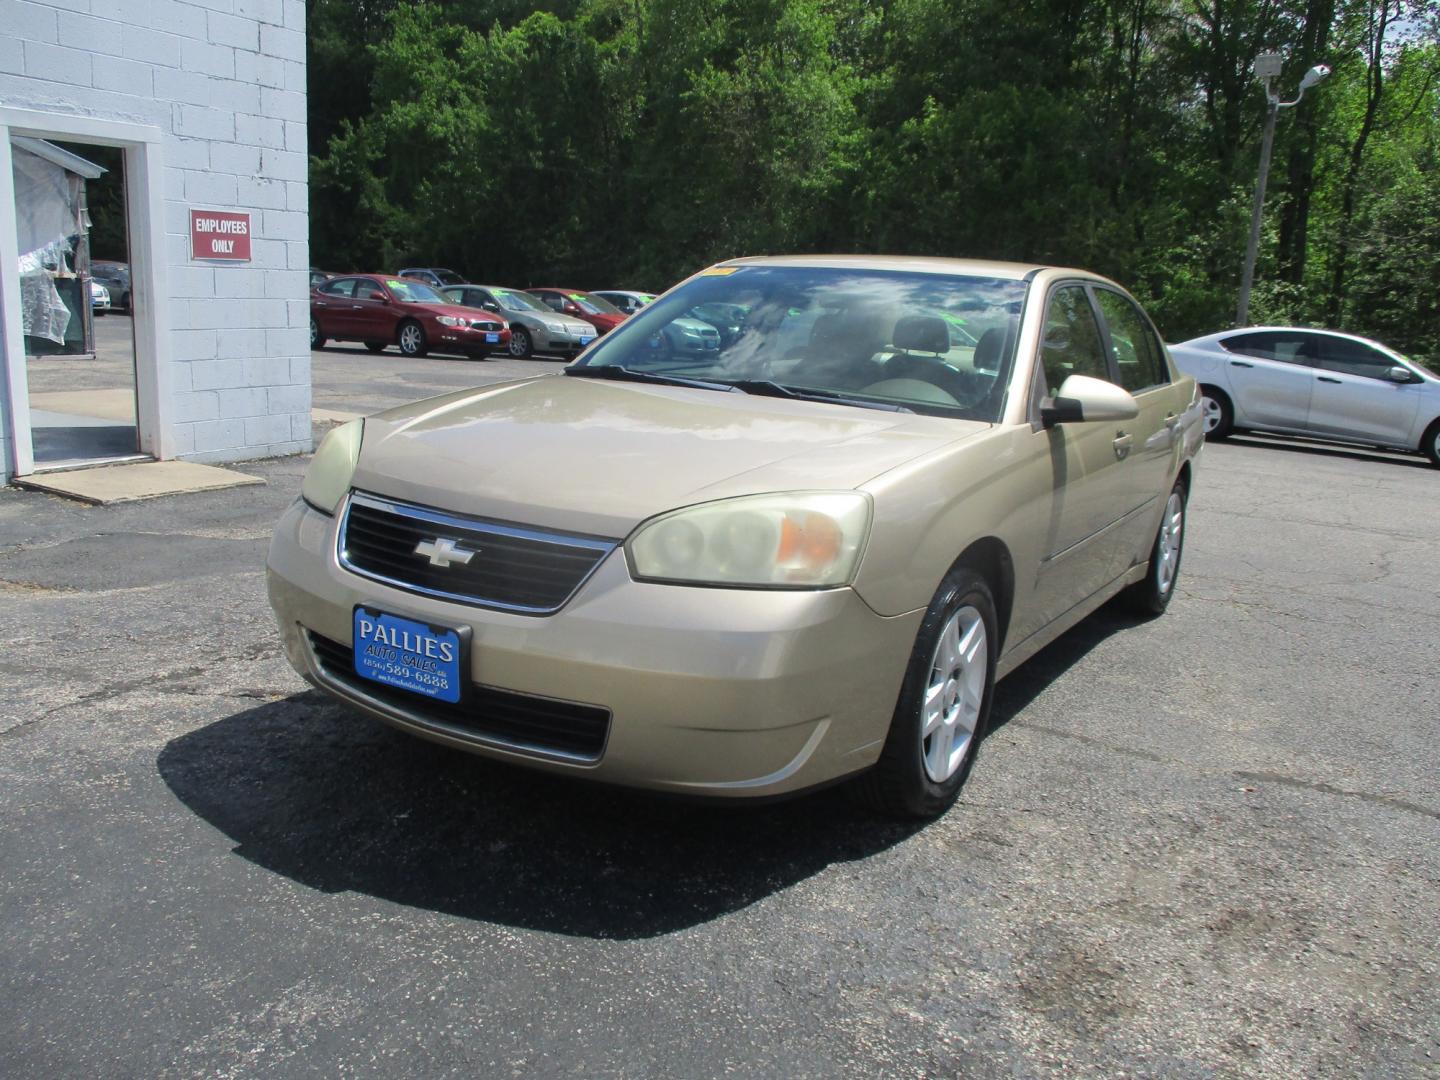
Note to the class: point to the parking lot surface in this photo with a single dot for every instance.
(1202, 846)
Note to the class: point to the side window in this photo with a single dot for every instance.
(1071, 344)
(368, 290)
(1285, 346)
(553, 301)
(1352, 358)
(1137, 353)
(339, 287)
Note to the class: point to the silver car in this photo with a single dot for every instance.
(1319, 384)
(534, 328)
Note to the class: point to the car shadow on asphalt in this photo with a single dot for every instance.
(339, 802)
(1328, 450)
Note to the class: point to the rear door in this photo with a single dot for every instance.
(1354, 396)
(1272, 376)
(373, 312)
(1138, 360)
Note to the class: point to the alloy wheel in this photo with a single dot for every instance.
(1214, 414)
(1167, 551)
(410, 338)
(954, 693)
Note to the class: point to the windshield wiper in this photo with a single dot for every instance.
(769, 388)
(615, 371)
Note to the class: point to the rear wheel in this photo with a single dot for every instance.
(520, 344)
(412, 339)
(1151, 596)
(1430, 443)
(1218, 413)
(944, 704)
(317, 340)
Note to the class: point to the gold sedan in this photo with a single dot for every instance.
(801, 556)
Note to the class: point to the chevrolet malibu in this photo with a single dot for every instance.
(806, 559)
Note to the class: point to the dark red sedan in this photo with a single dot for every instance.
(382, 310)
(595, 310)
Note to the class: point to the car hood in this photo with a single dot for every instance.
(599, 457)
(537, 318)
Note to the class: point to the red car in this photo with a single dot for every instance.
(595, 310)
(382, 310)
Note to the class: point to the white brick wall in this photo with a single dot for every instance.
(225, 80)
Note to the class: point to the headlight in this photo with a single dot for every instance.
(796, 540)
(555, 327)
(449, 320)
(328, 478)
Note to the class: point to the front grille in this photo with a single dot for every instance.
(512, 567)
(484, 324)
(562, 727)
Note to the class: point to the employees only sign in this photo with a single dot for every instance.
(220, 234)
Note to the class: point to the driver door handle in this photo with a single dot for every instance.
(1327, 378)
(1171, 420)
(1240, 363)
(1123, 442)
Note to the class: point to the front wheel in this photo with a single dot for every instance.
(520, 344)
(317, 340)
(1217, 412)
(412, 339)
(1151, 595)
(944, 704)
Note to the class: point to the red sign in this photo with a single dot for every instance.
(219, 234)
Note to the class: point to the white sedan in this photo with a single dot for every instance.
(1319, 384)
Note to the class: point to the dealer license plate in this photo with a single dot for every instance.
(586, 340)
(492, 339)
(408, 655)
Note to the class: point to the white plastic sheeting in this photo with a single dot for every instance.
(47, 217)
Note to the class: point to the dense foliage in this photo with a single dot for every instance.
(626, 143)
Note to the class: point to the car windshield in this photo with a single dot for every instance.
(865, 337)
(514, 300)
(448, 277)
(110, 273)
(414, 292)
(592, 304)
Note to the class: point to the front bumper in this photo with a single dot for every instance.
(719, 692)
(467, 339)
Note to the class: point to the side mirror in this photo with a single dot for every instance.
(491, 307)
(1399, 374)
(1083, 399)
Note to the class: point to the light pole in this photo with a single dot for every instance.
(1267, 67)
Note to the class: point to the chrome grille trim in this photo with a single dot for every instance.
(583, 554)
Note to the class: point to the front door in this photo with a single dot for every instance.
(372, 314)
(1090, 492)
(1354, 396)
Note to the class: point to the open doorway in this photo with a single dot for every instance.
(77, 302)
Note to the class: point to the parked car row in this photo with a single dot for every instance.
(425, 309)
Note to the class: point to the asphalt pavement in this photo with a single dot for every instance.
(1206, 845)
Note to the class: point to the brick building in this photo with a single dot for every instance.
(205, 100)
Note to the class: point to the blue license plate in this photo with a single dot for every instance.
(491, 339)
(586, 340)
(409, 655)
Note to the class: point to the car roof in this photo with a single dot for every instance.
(1220, 335)
(921, 264)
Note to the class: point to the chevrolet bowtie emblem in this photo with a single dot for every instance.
(443, 551)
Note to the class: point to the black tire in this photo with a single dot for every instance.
(125, 302)
(521, 346)
(377, 346)
(1217, 412)
(1430, 443)
(900, 784)
(412, 343)
(480, 354)
(317, 340)
(1151, 595)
